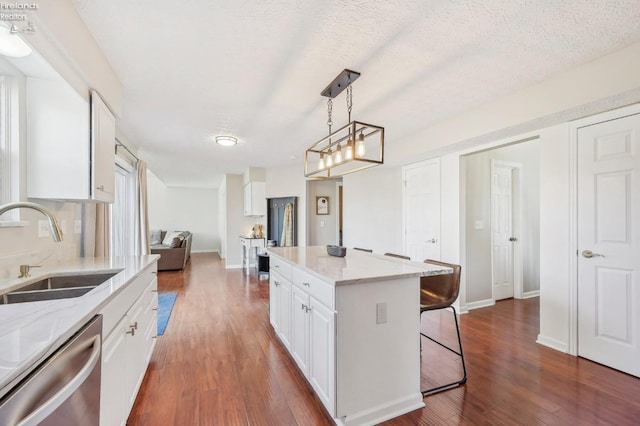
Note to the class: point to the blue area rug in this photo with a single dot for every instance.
(165, 306)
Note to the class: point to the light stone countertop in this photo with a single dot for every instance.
(31, 331)
(357, 266)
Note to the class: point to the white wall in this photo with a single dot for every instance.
(185, 209)
(478, 207)
(322, 228)
(372, 209)
(237, 223)
(289, 181)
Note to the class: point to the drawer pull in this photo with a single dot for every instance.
(134, 326)
(154, 309)
(303, 306)
(276, 266)
(307, 284)
(132, 331)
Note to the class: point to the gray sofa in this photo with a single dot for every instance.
(173, 256)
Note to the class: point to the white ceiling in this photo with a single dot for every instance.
(255, 69)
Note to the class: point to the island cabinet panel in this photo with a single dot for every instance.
(364, 367)
(280, 307)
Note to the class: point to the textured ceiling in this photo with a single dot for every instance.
(255, 69)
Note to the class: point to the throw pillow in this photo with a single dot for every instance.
(170, 236)
(176, 242)
(155, 236)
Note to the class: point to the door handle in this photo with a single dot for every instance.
(589, 254)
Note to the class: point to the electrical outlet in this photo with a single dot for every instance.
(381, 312)
(77, 226)
(43, 229)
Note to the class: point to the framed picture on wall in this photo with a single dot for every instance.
(322, 205)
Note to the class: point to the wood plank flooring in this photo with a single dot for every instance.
(219, 363)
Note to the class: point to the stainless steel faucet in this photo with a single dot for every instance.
(56, 232)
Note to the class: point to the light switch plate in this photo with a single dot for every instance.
(43, 228)
(381, 312)
(479, 224)
(63, 226)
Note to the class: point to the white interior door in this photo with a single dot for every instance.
(502, 230)
(609, 243)
(422, 210)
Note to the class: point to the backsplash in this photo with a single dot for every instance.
(21, 245)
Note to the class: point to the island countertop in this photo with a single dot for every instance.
(31, 331)
(357, 266)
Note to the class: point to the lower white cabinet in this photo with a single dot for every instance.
(280, 307)
(127, 346)
(307, 328)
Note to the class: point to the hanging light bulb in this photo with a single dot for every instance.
(360, 148)
(337, 157)
(329, 158)
(321, 162)
(348, 150)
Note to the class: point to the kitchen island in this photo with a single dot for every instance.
(352, 326)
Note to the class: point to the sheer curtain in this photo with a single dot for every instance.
(102, 232)
(142, 211)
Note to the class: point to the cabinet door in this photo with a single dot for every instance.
(247, 199)
(103, 139)
(300, 328)
(275, 283)
(322, 353)
(136, 353)
(114, 408)
(285, 313)
(258, 200)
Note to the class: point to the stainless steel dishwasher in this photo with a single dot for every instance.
(64, 389)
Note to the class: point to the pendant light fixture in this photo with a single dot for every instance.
(354, 147)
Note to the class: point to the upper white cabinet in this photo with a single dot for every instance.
(103, 140)
(254, 199)
(70, 145)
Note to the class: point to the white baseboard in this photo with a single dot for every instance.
(480, 304)
(530, 294)
(383, 412)
(233, 267)
(204, 251)
(553, 343)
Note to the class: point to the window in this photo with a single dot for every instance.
(123, 211)
(5, 169)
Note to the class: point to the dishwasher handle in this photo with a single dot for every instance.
(42, 412)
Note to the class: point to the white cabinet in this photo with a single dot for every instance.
(301, 312)
(322, 355)
(128, 346)
(300, 328)
(70, 146)
(103, 139)
(280, 306)
(255, 203)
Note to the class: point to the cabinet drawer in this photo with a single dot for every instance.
(113, 312)
(281, 267)
(322, 291)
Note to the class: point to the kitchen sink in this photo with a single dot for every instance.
(52, 294)
(58, 287)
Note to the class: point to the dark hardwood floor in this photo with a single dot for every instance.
(219, 363)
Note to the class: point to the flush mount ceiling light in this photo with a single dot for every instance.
(226, 140)
(356, 146)
(11, 44)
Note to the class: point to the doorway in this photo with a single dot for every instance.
(496, 267)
